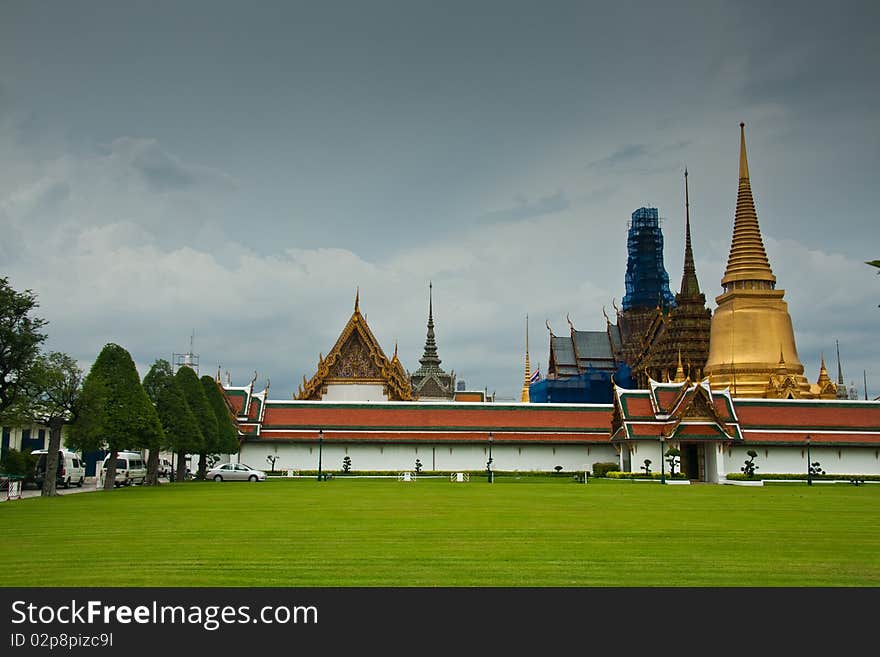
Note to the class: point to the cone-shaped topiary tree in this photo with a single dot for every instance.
(227, 432)
(116, 413)
(182, 431)
(198, 404)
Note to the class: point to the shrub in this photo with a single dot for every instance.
(614, 474)
(749, 468)
(601, 469)
(672, 459)
(346, 464)
(794, 476)
(20, 464)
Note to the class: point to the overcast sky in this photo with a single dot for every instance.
(237, 169)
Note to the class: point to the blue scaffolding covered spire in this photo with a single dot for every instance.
(647, 283)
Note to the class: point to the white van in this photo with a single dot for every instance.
(71, 470)
(130, 469)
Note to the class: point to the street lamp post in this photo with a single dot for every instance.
(809, 466)
(662, 465)
(320, 446)
(489, 462)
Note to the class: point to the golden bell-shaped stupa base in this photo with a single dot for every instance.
(752, 348)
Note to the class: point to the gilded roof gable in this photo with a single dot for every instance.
(357, 357)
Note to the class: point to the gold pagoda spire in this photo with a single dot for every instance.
(679, 372)
(752, 347)
(747, 264)
(528, 373)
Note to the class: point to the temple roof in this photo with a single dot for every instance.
(683, 411)
(690, 287)
(581, 350)
(430, 380)
(677, 411)
(357, 357)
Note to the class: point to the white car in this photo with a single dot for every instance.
(235, 472)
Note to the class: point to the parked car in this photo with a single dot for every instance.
(235, 472)
(70, 469)
(130, 469)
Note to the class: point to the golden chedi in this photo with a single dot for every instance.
(751, 345)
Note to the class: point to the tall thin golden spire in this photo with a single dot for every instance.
(528, 373)
(747, 264)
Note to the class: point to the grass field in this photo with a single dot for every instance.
(527, 532)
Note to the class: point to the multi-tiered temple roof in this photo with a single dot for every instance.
(430, 381)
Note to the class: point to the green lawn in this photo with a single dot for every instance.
(527, 532)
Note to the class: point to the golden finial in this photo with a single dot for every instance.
(743, 161)
(357, 299)
(524, 397)
(547, 324)
(679, 372)
(747, 261)
(218, 373)
(570, 325)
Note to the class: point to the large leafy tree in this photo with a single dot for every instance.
(54, 399)
(227, 432)
(116, 413)
(198, 404)
(20, 339)
(156, 380)
(182, 431)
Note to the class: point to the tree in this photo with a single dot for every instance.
(157, 379)
(418, 466)
(749, 468)
(54, 390)
(227, 430)
(672, 459)
(115, 412)
(271, 459)
(346, 464)
(20, 340)
(647, 466)
(204, 414)
(182, 432)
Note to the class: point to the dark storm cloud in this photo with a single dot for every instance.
(390, 143)
(524, 209)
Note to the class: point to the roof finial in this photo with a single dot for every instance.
(357, 299)
(528, 374)
(690, 287)
(570, 325)
(743, 160)
(747, 263)
(547, 324)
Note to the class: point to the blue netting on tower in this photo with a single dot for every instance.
(590, 387)
(647, 283)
